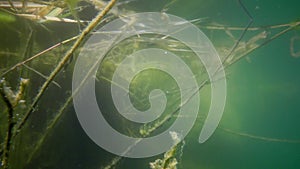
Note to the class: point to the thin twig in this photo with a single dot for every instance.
(50, 18)
(270, 139)
(40, 74)
(243, 33)
(38, 54)
(12, 5)
(8, 53)
(232, 28)
(49, 128)
(265, 42)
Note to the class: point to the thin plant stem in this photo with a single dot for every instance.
(232, 28)
(243, 33)
(49, 128)
(12, 5)
(260, 137)
(40, 74)
(38, 54)
(265, 42)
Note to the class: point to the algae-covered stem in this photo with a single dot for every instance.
(11, 99)
(9, 128)
(64, 60)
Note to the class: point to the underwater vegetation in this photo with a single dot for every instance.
(41, 40)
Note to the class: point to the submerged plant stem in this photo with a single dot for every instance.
(37, 55)
(40, 74)
(10, 125)
(232, 28)
(270, 139)
(292, 26)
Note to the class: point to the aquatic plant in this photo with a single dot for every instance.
(61, 52)
(169, 161)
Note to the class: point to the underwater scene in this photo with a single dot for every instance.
(149, 84)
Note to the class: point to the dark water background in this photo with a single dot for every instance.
(262, 110)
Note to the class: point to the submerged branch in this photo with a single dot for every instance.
(232, 28)
(37, 55)
(11, 99)
(292, 26)
(10, 125)
(48, 18)
(49, 128)
(260, 137)
(40, 74)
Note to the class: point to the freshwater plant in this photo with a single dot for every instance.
(41, 40)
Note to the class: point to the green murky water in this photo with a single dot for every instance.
(260, 125)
